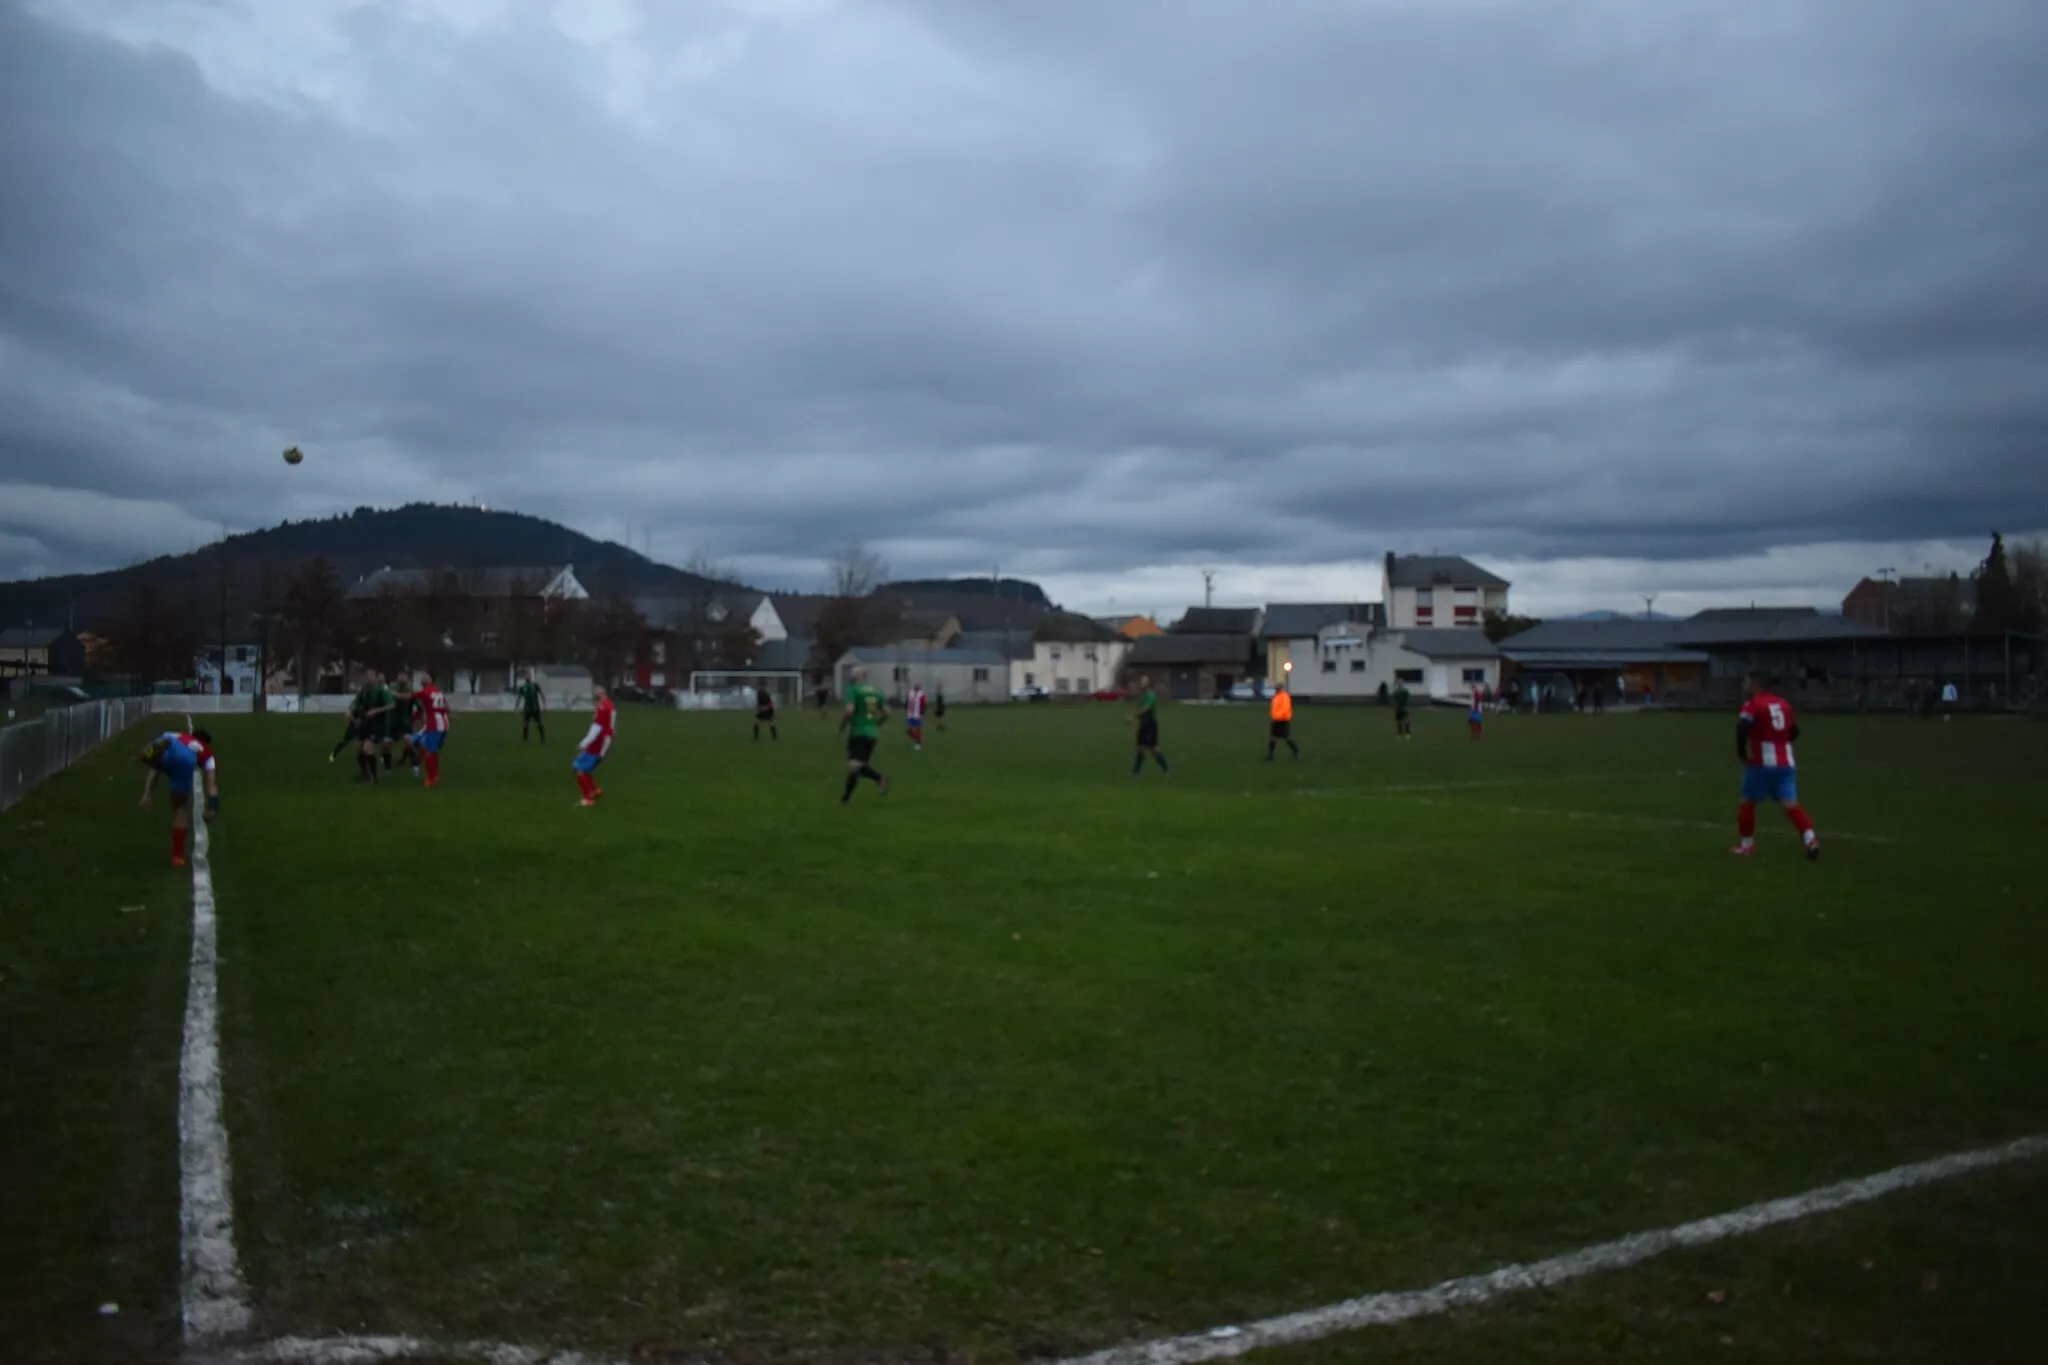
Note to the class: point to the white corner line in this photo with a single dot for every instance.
(1314, 1324)
(1377, 1310)
(215, 1301)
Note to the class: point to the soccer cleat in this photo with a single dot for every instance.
(177, 861)
(1813, 851)
(586, 803)
(1742, 850)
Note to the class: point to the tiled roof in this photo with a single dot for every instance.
(1428, 571)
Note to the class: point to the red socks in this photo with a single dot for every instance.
(1745, 820)
(588, 784)
(433, 767)
(178, 843)
(1801, 821)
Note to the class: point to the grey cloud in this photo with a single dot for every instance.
(1103, 284)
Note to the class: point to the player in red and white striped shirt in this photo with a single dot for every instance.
(1765, 730)
(597, 742)
(433, 732)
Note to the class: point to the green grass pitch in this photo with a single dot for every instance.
(1029, 1057)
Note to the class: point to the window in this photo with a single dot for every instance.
(1031, 680)
(1330, 665)
(1475, 675)
(661, 651)
(981, 675)
(1059, 685)
(1358, 665)
(902, 673)
(1425, 599)
(1089, 654)
(1408, 675)
(1055, 653)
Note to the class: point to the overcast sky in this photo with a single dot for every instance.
(1725, 301)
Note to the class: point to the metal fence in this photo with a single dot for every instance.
(39, 749)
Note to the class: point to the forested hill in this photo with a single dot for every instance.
(358, 543)
(1009, 589)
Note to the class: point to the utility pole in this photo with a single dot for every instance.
(1208, 587)
(1649, 605)
(1886, 576)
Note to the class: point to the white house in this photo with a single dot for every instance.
(956, 674)
(1070, 656)
(1443, 665)
(1350, 660)
(1317, 648)
(1438, 592)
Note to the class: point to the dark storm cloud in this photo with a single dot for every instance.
(1091, 287)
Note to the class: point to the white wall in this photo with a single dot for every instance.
(1403, 605)
(767, 622)
(1385, 658)
(1065, 669)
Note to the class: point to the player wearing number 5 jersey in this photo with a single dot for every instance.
(1765, 731)
(597, 742)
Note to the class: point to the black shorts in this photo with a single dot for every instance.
(763, 716)
(1282, 729)
(1148, 734)
(860, 748)
(529, 716)
(1400, 718)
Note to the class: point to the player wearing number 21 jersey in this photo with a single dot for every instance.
(433, 732)
(597, 742)
(1765, 731)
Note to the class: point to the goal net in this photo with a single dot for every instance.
(711, 690)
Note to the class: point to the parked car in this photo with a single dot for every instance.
(1031, 692)
(1250, 690)
(1108, 694)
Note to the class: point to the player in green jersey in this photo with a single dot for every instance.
(398, 723)
(1403, 726)
(530, 699)
(865, 715)
(1147, 718)
(372, 704)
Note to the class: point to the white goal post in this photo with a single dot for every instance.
(733, 690)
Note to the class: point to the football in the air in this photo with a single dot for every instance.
(292, 455)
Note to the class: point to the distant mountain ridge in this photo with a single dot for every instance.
(418, 536)
(1009, 589)
(1622, 616)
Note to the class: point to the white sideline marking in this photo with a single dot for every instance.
(366, 1350)
(1376, 1310)
(215, 1301)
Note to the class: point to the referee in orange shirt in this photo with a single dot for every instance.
(1282, 730)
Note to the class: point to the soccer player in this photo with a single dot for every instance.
(939, 708)
(1282, 728)
(350, 734)
(530, 700)
(862, 721)
(913, 718)
(177, 757)
(597, 742)
(398, 721)
(1403, 727)
(372, 704)
(1475, 719)
(433, 733)
(1147, 718)
(1765, 730)
(764, 713)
